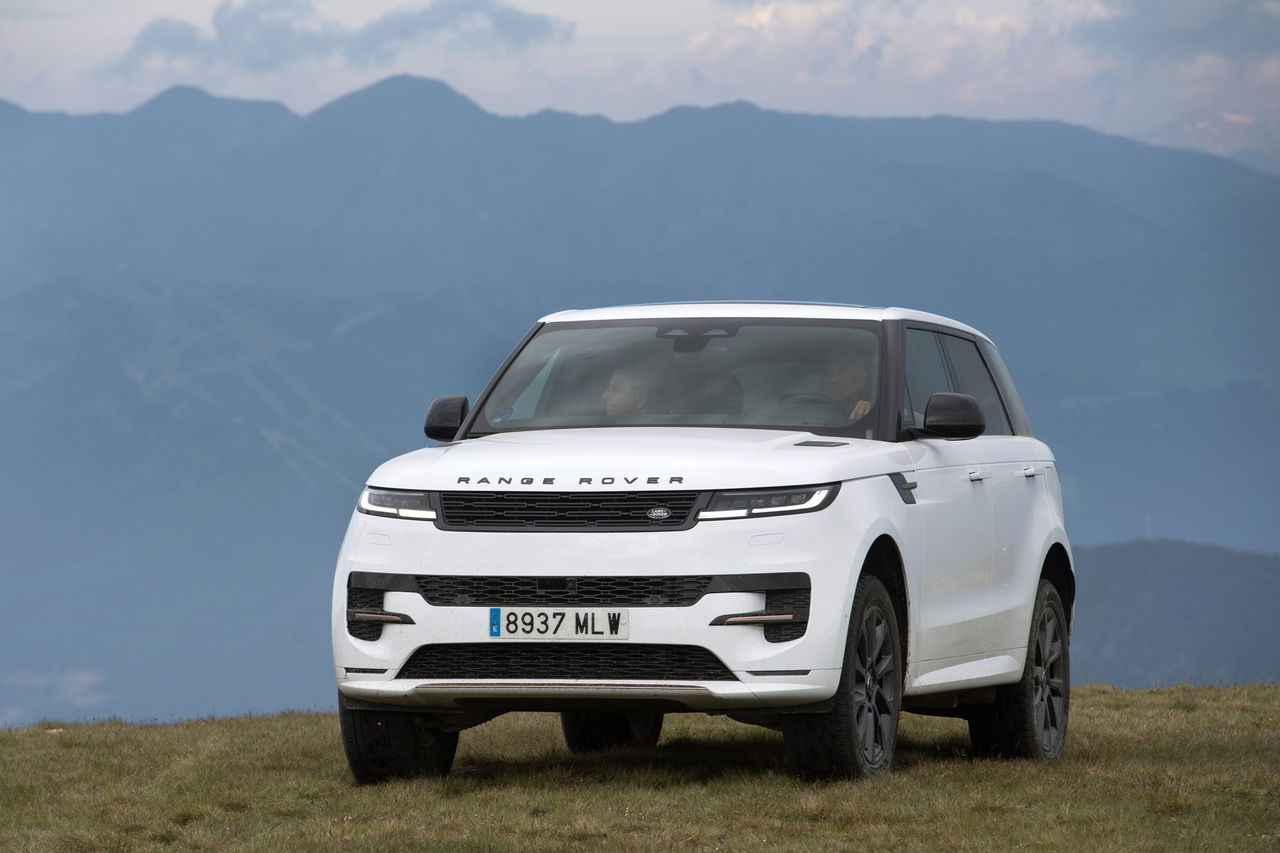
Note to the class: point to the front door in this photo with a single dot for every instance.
(954, 504)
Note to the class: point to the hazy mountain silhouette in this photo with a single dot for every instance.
(408, 184)
(1153, 613)
(216, 317)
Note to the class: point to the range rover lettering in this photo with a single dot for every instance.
(804, 517)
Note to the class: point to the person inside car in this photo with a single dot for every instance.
(627, 393)
(846, 380)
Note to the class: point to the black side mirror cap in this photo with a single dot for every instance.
(952, 416)
(445, 417)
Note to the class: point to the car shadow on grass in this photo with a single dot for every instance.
(678, 760)
(684, 760)
(914, 750)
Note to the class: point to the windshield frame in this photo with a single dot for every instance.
(883, 426)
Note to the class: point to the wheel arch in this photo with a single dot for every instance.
(884, 562)
(1058, 571)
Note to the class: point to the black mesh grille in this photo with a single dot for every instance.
(565, 510)
(508, 659)
(368, 600)
(487, 590)
(786, 601)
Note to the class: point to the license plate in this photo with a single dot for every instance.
(557, 623)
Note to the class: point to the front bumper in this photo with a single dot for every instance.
(760, 674)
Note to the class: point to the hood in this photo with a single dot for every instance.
(639, 458)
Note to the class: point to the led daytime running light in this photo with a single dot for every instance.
(818, 497)
(775, 501)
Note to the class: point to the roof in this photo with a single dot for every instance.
(796, 310)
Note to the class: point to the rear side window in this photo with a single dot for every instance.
(1012, 402)
(925, 374)
(974, 379)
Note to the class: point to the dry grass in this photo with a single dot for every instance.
(1177, 769)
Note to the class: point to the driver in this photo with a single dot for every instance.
(846, 379)
(627, 393)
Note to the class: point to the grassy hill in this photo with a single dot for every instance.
(1175, 769)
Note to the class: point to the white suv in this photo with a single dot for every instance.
(805, 517)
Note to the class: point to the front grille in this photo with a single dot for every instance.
(506, 659)
(786, 601)
(490, 590)
(565, 510)
(367, 600)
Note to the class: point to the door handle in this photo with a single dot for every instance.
(975, 476)
(1031, 471)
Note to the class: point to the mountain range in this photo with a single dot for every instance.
(217, 316)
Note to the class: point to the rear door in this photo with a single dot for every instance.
(1015, 485)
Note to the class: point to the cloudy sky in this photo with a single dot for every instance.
(1198, 73)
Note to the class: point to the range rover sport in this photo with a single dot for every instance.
(805, 517)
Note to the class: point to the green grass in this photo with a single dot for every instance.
(1177, 769)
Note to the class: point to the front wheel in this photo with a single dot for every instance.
(593, 731)
(1029, 717)
(384, 745)
(856, 737)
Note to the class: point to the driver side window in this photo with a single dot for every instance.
(974, 379)
(924, 373)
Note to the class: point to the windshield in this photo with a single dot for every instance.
(815, 375)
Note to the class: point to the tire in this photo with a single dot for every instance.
(856, 738)
(384, 745)
(591, 731)
(1029, 718)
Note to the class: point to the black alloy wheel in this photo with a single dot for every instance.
(383, 745)
(876, 688)
(1049, 674)
(856, 737)
(1029, 717)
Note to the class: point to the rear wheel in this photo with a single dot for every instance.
(384, 745)
(1029, 718)
(592, 731)
(857, 737)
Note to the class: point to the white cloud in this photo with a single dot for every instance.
(1126, 66)
(1141, 31)
(992, 56)
(270, 35)
(1266, 74)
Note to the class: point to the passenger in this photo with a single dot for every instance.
(846, 379)
(628, 392)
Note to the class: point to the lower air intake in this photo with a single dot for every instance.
(369, 600)
(505, 659)
(786, 601)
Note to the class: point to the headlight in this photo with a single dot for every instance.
(397, 503)
(769, 501)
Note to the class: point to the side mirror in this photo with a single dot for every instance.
(445, 417)
(952, 416)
